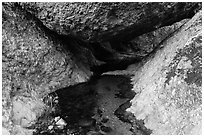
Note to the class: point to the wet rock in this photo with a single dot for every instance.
(87, 122)
(125, 89)
(122, 114)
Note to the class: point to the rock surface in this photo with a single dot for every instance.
(168, 85)
(121, 54)
(104, 21)
(45, 48)
(111, 28)
(106, 30)
(33, 65)
(92, 107)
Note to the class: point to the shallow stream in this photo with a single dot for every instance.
(96, 107)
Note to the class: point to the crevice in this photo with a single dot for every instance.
(99, 105)
(94, 107)
(152, 23)
(113, 53)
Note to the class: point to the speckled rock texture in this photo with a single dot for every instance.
(109, 21)
(33, 65)
(121, 54)
(48, 46)
(168, 85)
(109, 31)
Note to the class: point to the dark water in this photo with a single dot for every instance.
(96, 107)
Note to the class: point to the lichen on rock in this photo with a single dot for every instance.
(168, 86)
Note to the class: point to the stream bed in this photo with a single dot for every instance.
(96, 107)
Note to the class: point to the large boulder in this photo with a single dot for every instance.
(105, 21)
(168, 85)
(33, 65)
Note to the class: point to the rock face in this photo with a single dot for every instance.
(49, 46)
(33, 65)
(107, 21)
(168, 85)
(120, 54)
(106, 30)
(110, 28)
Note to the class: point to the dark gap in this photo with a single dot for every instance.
(86, 111)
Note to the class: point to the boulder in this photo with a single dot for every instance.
(33, 65)
(105, 21)
(168, 85)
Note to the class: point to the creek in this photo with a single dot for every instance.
(96, 107)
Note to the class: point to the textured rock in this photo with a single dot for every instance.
(108, 21)
(168, 85)
(147, 42)
(112, 29)
(119, 55)
(43, 50)
(33, 65)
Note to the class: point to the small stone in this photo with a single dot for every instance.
(61, 122)
(56, 101)
(60, 127)
(57, 118)
(50, 127)
(95, 27)
(105, 28)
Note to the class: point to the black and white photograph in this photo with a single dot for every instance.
(101, 67)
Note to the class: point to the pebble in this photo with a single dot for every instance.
(61, 122)
(57, 118)
(50, 127)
